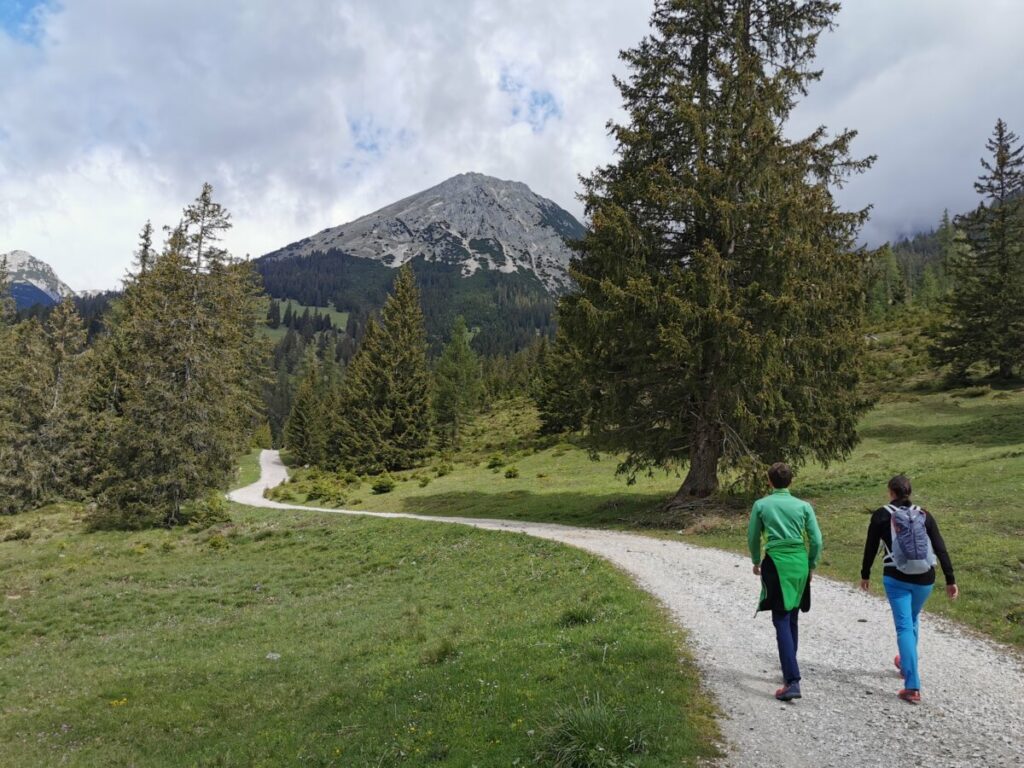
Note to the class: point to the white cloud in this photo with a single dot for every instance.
(306, 115)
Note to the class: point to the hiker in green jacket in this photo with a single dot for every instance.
(788, 526)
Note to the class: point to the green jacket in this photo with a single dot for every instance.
(791, 538)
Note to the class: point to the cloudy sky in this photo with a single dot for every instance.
(307, 114)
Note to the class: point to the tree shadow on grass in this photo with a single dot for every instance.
(615, 510)
(988, 425)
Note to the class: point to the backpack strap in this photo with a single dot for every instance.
(887, 551)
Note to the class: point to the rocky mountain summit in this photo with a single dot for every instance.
(33, 281)
(474, 221)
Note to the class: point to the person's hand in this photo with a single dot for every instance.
(952, 591)
(865, 585)
(757, 570)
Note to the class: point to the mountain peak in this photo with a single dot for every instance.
(33, 281)
(471, 220)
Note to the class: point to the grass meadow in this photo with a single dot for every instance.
(340, 319)
(296, 639)
(963, 449)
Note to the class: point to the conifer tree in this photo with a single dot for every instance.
(364, 425)
(985, 309)
(561, 394)
(305, 434)
(144, 256)
(63, 435)
(386, 417)
(457, 387)
(274, 314)
(720, 297)
(180, 395)
(25, 382)
(43, 453)
(407, 399)
(886, 284)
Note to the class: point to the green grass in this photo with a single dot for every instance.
(340, 319)
(964, 451)
(299, 639)
(248, 469)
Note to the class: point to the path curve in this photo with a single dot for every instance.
(973, 710)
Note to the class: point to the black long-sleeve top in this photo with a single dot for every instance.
(880, 532)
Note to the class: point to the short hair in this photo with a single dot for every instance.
(780, 475)
(900, 485)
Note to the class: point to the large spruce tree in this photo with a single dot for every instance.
(720, 296)
(179, 383)
(385, 418)
(984, 320)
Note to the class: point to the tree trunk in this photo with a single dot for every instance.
(702, 479)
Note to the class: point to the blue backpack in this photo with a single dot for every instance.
(912, 551)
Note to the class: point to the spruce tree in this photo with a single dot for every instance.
(385, 418)
(145, 254)
(305, 434)
(25, 381)
(407, 399)
(985, 310)
(720, 299)
(181, 375)
(364, 424)
(560, 393)
(63, 435)
(457, 388)
(274, 314)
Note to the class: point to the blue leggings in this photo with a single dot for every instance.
(787, 636)
(906, 601)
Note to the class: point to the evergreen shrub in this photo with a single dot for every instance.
(208, 511)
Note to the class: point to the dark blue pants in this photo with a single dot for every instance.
(787, 637)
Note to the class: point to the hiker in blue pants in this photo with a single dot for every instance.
(911, 543)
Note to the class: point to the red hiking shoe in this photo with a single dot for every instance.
(896, 662)
(910, 695)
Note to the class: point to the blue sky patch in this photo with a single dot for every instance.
(530, 105)
(20, 18)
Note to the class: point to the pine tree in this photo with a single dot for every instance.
(364, 425)
(144, 256)
(457, 388)
(386, 417)
(985, 309)
(561, 394)
(720, 296)
(305, 433)
(181, 386)
(63, 436)
(43, 453)
(274, 314)
(408, 398)
(886, 286)
(25, 382)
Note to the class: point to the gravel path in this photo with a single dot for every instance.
(973, 709)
